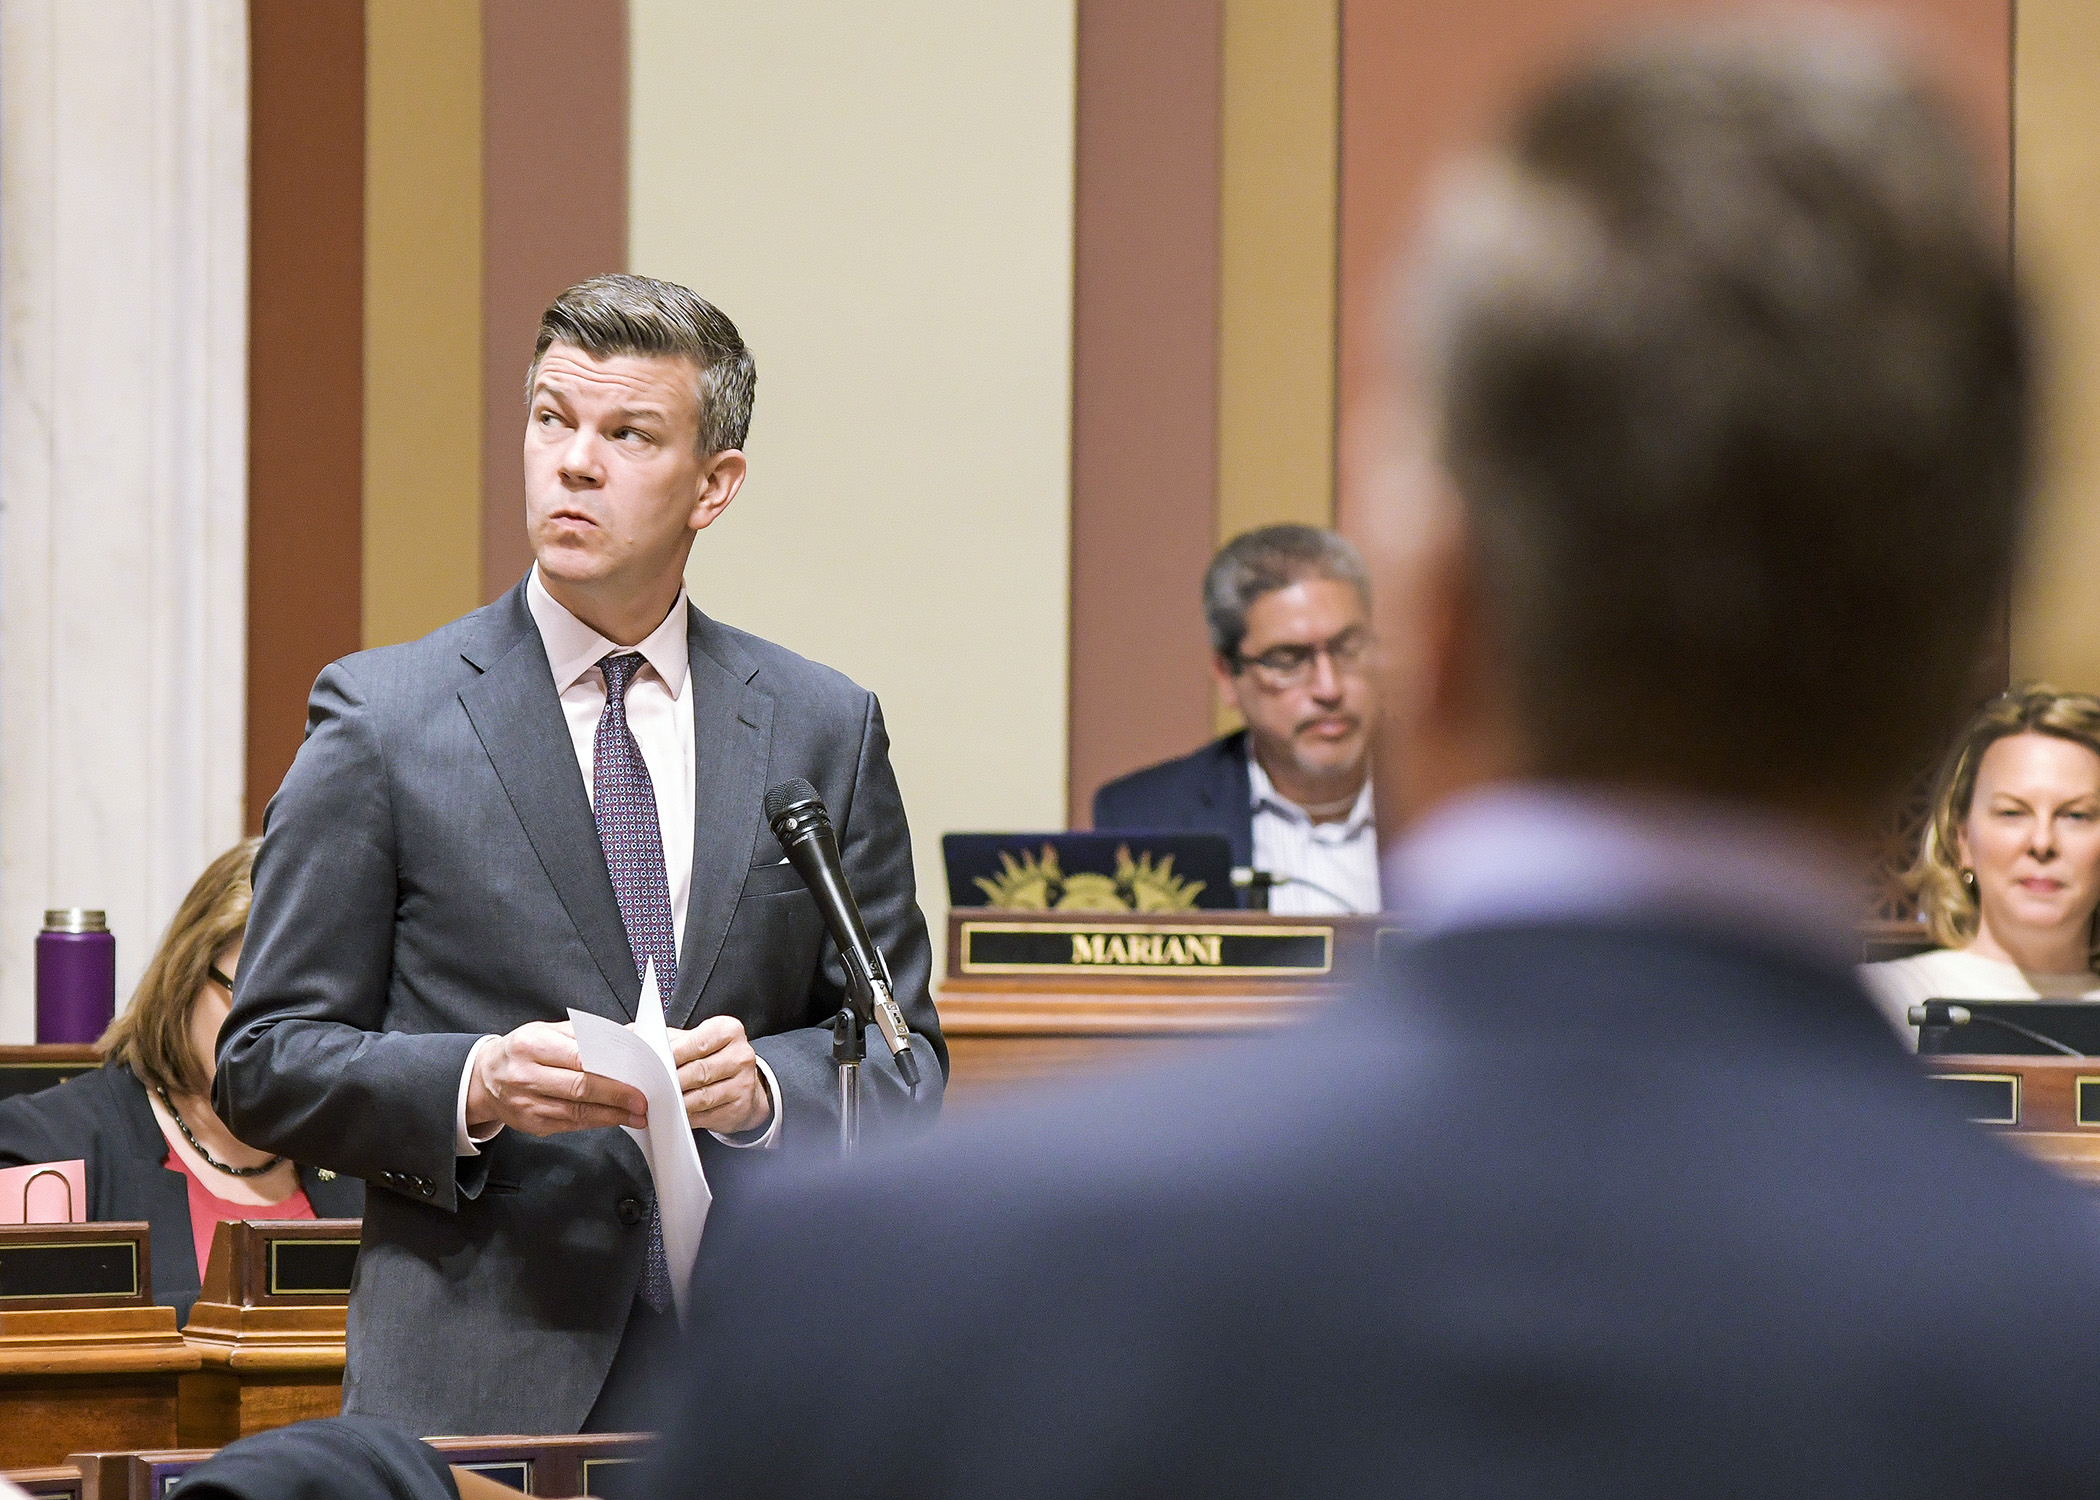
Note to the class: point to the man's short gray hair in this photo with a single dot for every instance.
(619, 314)
(1267, 559)
(1734, 386)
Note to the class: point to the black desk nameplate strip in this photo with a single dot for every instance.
(612, 1478)
(311, 1268)
(2089, 1101)
(1192, 951)
(34, 1077)
(1985, 1098)
(518, 1475)
(69, 1268)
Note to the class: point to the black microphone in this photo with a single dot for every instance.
(803, 826)
(1945, 1013)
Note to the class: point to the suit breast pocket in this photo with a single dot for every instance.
(771, 880)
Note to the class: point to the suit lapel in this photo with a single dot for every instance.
(1229, 792)
(732, 745)
(518, 717)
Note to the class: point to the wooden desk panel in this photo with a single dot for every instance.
(80, 1378)
(2048, 1125)
(270, 1358)
(1010, 1030)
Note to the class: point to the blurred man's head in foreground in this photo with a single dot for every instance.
(1724, 395)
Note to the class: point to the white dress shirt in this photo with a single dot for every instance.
(660, 713)
(1339, 858)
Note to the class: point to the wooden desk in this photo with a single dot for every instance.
(268, 1328)
(92, 1366)
(2047, 1106)
(1058, 993)
(601, 1465)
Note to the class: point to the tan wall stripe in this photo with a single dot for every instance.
(423, 387)
(1276, 258)
(1276, 264)
(2056, 610)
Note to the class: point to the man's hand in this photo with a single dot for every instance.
(533, 1080)
(718, 1072)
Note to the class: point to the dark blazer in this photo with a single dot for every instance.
(1568, 1210)
(103, 1118)
(1207, 792)
(430, 873)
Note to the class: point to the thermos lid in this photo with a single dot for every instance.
(75, 919)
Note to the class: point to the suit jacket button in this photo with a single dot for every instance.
(630, 1211)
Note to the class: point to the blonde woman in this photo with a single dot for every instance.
(2008, 874)
(143, 1121)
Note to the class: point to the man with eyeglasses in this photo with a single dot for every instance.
(1289, 614)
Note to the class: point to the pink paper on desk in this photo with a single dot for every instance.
(50, 1192)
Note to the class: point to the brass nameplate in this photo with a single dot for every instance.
(1985, 1098)
(69, 1268)
(1189, 951)
(311, 1268)
(2089, 1101)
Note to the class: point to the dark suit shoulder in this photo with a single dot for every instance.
(435, 664)
(1133, 799)
(1665, 1182)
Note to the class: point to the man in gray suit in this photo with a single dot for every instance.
(512, 817)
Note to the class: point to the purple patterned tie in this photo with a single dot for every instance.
(624, 803)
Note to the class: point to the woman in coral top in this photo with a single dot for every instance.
(143, 1121)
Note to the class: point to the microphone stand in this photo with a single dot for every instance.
(849, 1041)
(849, 1049)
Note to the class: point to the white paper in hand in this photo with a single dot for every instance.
(640, 1055)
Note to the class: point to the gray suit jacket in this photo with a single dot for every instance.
(430, 873)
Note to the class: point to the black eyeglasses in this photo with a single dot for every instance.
(1289, 666)
(218, 977)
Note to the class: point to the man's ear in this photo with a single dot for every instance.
(719, 481)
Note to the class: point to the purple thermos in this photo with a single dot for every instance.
(76, 976)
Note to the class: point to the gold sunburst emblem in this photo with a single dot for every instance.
(1039, 884)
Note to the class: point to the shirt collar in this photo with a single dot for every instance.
(1262, 793)
(573, 648)
(1533, 852)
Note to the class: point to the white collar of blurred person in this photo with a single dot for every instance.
(1263, 794)
(573, 648)
(1533, 852)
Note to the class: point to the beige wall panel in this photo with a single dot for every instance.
(423, 397)
(1277, 271)
(881, 197)
(2056, 203)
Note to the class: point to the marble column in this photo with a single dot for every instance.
(123, 399)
